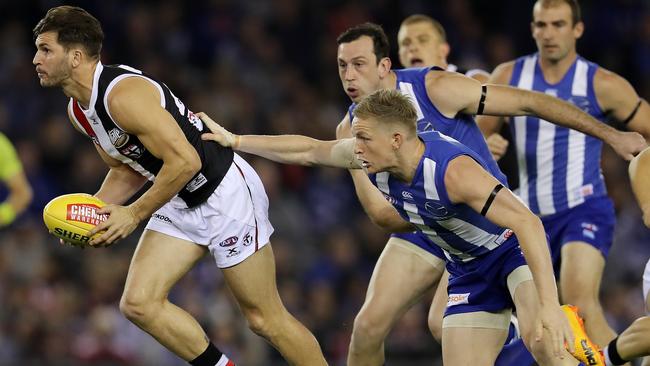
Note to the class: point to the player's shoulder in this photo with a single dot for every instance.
(607, 79)
(503, 72)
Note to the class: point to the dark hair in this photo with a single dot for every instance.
(73, 25)
(388, 106)
(421, 18)
(576, 16)
(372, 30)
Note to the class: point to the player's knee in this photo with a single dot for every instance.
(260, 323)
(369, 327)
(137, 308)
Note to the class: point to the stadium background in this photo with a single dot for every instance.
(260, 67)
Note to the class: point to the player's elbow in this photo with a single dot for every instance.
(189, 164)
(526, 220)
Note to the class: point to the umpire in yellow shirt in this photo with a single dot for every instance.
(12, 175)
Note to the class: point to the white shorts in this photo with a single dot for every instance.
(646, 282)
(233, 223)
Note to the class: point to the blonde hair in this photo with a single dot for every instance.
(388, 106)
(421, 18)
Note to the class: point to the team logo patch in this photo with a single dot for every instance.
(120, 140)
(229, 241)
(248, 239)
(84, 213)
(457, 299)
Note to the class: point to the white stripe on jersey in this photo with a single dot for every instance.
(545, 153)
(439, 241)
(382, 182)
(525, 82)
(577, 142)
(407, 89)
(112, 84)
(470, 233)
(430, 189)
(412, 211)
(579, 87)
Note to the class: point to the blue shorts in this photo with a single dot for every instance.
(422, 240)
(591, 222)
(482, 284)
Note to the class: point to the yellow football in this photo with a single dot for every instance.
(71, 216)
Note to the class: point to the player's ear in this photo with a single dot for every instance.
(76, 57)
(384, 67)
(444, 49)
(397, 140)
(578, 29)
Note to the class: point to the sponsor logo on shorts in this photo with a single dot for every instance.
(162, 218)
(248, 239)
(457, 299)
(232, 252)
(229, 242)
(589, 230)
(407, 195)
(84, 213)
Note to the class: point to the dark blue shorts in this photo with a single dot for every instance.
(420, 239)
(591, 222)
(481, 284)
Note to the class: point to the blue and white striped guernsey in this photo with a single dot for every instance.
(559, 168)
(462, 232)
(462, 127)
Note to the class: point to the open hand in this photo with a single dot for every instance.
(120, 223)
(219, 134)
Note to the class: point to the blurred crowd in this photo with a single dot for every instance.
(268, 67)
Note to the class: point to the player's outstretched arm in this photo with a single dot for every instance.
(287, 149)
(491, 125)
(640, 178)
(467, 182)
(455, 93)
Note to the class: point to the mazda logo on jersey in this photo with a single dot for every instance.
(229, 241)
(437, 210)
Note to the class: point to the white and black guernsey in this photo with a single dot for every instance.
(97, 123)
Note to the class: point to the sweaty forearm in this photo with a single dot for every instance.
(171, 178)
(380, 211)
(120, 184)
(286, 149)
(300, 150)
(567, 115)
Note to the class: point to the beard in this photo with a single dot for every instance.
(56, 76)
